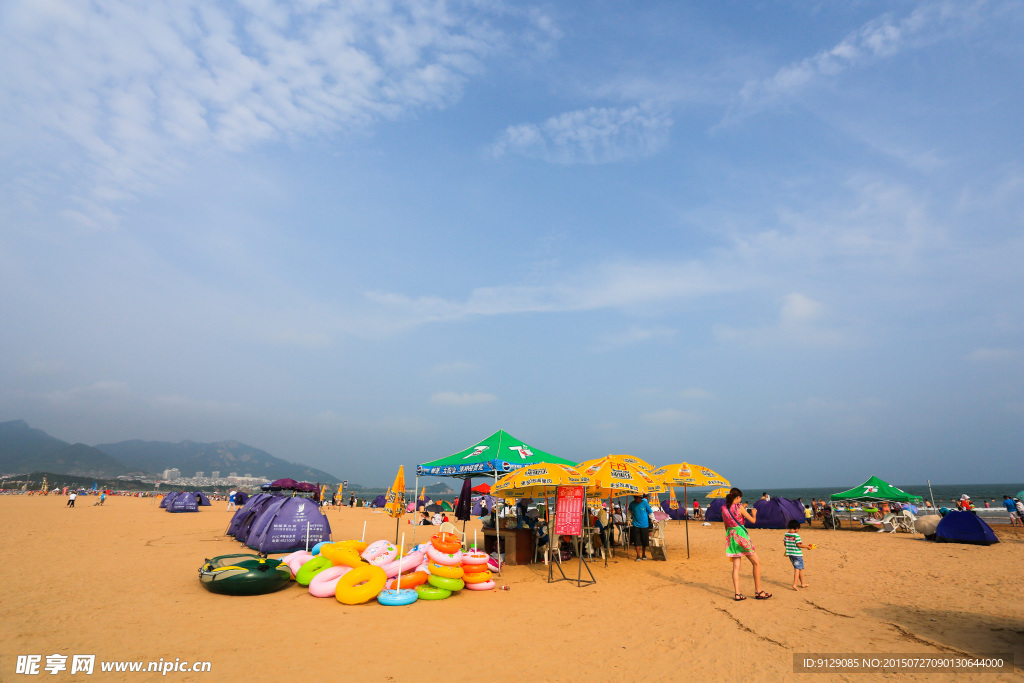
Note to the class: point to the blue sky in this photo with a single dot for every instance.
(782, 240)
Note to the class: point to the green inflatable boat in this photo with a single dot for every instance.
(243, 575)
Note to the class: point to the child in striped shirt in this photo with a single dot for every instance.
(794, 544)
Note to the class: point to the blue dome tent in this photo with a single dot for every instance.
(964, 527)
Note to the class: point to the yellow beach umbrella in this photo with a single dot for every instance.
(720, 492)
(673, 504)
(613, 477)
(628, 459)
(395, 505)
(540, 480)
(685, 474)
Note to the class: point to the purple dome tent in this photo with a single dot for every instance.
(777, 513)
(240, 498)
(243, 511)
(256, 509)
(287, 524)
(183, 502)
(201, 498)
(482, 505)
(678, 513)
(714, 511)
(168, 498)
(379, 502)
(964, 527)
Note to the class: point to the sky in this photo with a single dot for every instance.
(779, 239)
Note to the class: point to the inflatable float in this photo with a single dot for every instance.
(243, 575)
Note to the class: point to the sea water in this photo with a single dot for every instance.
(946, 495)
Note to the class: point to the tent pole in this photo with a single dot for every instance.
(415, 507)
(686, 509)
(497, 522)
(930, 493)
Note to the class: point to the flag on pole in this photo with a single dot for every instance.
(395, 505)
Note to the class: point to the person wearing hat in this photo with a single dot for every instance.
(618, 522)
(640, 514)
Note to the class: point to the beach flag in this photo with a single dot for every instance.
(395, 505)
(673, 504)
(323, 492)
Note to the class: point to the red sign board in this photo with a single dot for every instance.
(569, 511)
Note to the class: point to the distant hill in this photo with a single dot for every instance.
(224, 456)
(24, 449)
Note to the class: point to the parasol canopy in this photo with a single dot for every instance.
(288, 484)
(686, 474)
(482, 488)
(628, 459)
(720, 492)
(464, 506)
(541, 480)
(433, 507)
(613, 477)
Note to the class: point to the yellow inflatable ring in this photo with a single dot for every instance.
(358, 546)
(442, 570)
(477, 577)
(360, 585)
(446, 543)
(341, 554)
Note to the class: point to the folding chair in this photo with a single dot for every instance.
(449, 528)
(906, 521)
(889, 523)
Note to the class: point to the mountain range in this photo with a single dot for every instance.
(24, 449)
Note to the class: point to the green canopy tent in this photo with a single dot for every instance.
(498, 454)
(875, 490)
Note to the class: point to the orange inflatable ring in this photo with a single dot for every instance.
(474, 568)
(477, 577)
(341, 554)
(409, 580)
(447, 572)
(358, 546)
(446, 542)
(360, 585)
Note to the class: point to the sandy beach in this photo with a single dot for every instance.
(120, 582)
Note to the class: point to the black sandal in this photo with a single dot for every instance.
(739, 596)
(761, 595)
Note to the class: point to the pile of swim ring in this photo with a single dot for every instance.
(356, 572)
(243, 575)
(477, 571)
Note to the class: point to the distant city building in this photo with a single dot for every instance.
(173, 473)
(215, 474)
(199, 475)
(248, 475)
(233, 474)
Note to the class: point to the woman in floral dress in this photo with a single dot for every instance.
(738, 543)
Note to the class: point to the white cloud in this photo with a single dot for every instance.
(798, 324)
(590, 136)
(669, 416)
(451, 398)
(454, 367)
(635, 335)
(797, 309)
(695, 393)
(995, 355)
(879, 39)
(122, 92)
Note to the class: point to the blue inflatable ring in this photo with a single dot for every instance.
(316, 548)
(402, 596)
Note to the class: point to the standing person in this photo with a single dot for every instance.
(765, 496)
(808, 515)
(696, 510)
(738, 543)
(231, 500)
(618, 523)
(640, 525)
(1011, 508)
(73, 495)
(1020, 510)
(352, 500)
(103, 498)
(794, 552)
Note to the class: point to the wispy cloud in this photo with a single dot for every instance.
(669, 416)
(133, 88)
(879, 39)
(995, 355)
(695, 393)
(798, 323)
(635, 335)
(452, 398)
(590, 136)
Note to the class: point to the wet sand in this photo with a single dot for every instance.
(120, 582)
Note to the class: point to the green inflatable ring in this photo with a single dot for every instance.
(243, 575)
(444, 583)
(310, 569)
(432, 592)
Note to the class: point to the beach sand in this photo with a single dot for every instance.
(120, 582)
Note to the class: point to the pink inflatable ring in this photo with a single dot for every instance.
(485, 586)
(406, 564)
(325, 583)
(380, 553)
(474, 557)
(445, 559)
